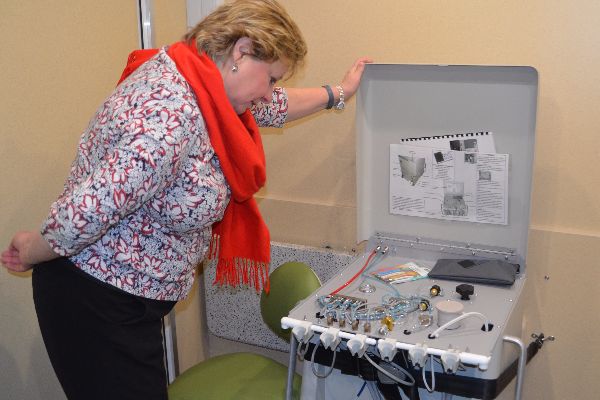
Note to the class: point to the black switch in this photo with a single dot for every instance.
(465, 290)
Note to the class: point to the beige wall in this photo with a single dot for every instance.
(59, 61)
(56, 69)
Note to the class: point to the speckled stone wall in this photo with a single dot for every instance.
(234, 314)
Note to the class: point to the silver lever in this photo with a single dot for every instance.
(540, 339)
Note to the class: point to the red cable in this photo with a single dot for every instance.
(357, 274)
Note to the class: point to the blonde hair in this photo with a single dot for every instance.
(273, 33)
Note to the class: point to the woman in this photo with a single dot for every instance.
(165, 170)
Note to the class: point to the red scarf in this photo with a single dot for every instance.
(241, 239)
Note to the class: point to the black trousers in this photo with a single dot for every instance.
(104, 344)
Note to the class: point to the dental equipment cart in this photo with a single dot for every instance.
(444, 170)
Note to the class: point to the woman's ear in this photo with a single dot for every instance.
(242, 47)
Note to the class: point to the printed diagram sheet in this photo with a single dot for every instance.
(448, 184)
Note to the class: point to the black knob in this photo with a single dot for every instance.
(465, 290)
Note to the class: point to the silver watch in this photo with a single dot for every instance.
(340, 104)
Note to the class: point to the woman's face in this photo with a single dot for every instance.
(253, 81)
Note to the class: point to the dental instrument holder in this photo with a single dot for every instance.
(397, 102)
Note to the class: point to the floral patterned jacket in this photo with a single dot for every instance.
(146, 186)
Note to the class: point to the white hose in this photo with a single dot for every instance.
(436, 333)
(411, 381)
(432, 388)
(312, 363)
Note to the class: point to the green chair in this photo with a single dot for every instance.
(249, 376)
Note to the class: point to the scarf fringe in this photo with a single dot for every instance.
(237, 272)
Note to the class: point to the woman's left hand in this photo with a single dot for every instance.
(12, 257)
(26, 249)
(352, 78)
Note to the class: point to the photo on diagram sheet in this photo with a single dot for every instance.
(448, 184)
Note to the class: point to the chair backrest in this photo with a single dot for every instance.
(290, 283)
